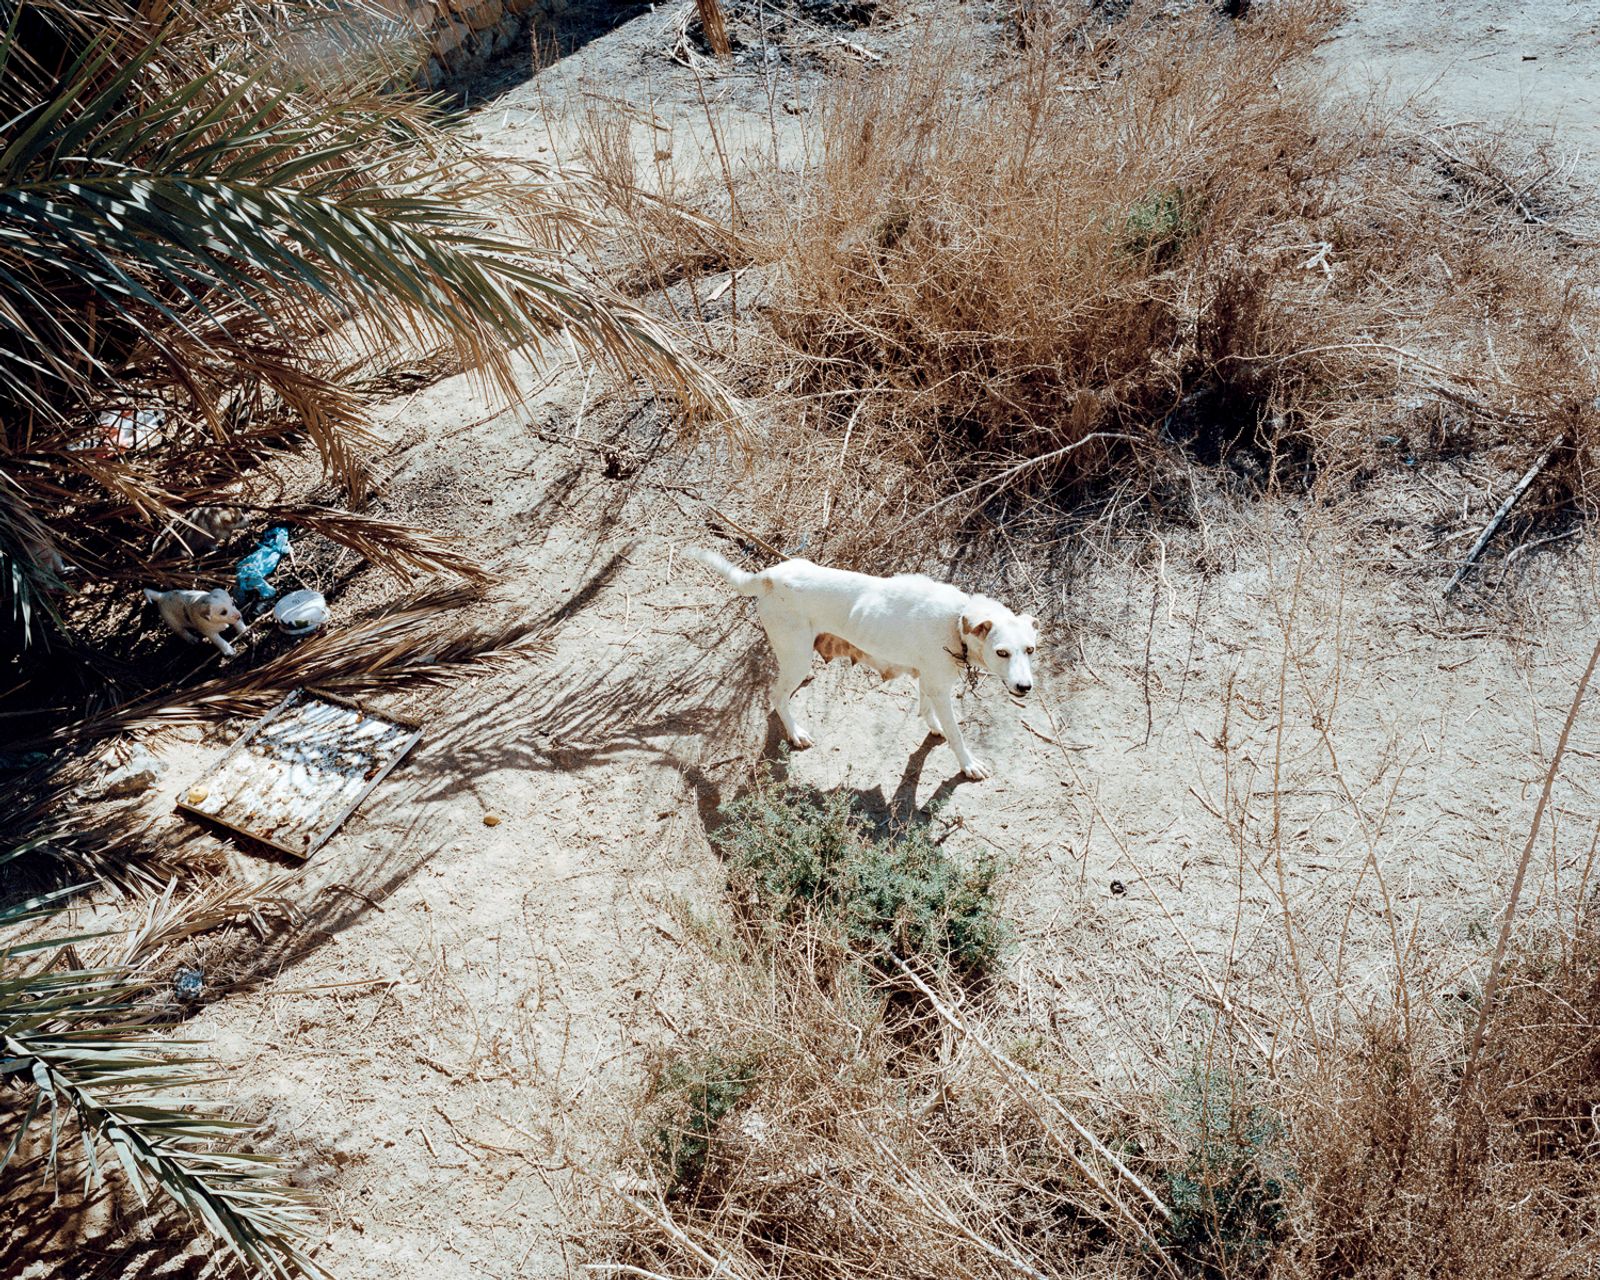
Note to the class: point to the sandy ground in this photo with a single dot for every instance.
(1273, 716)
(1531, 64)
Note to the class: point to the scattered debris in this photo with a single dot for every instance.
(491, 819)
(141, 772)
(258, 566)
(124, 430)
(753, 33)
(300, 612)
(1499, 516)
(294, 778)
(188, 984)
(1118, 888)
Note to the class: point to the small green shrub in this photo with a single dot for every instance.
(690, 1097)
(1227, 1196)
(1157, 225)
(795, 853)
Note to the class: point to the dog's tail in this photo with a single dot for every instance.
(744, 583)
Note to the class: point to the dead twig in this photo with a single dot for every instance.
(1493, 527)
(1490, 983)
(1038, 1093)
(743, 532)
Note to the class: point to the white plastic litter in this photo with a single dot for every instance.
(300, 612)
(126, 429)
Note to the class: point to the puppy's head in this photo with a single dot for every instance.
(1001, 642)
(217, 607)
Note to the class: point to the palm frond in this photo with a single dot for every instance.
(170, 918)
(420, 644)
(400, 549)
(186, 218)
(45, 847)
(75, 1039)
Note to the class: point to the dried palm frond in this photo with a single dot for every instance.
(48, 840)
(419, 644)
(401, 549)
(171, 918)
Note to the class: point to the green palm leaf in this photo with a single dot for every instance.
(77, 1040)
(181, 218)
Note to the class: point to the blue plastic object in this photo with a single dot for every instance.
(188, 984)
(257, 567)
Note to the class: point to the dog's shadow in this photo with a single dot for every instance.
(901, 810)
(887, 813)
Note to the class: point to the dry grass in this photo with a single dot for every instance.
(1160, 237)
(843, 1139)
(1072, 269)
(1402, 1173)
(834, 1131)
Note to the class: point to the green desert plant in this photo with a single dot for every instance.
(1157, 225)
(188, 224)
(691, 1095)
(797, 853)
(1227, 1192)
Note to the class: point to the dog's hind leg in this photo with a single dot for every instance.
(793, 651)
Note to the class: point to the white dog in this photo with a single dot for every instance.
(197, 616)
(905, 625)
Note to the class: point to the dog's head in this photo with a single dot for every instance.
(1001, 642)
(217, 608)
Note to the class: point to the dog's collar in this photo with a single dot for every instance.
(963, 658)
(961, 655)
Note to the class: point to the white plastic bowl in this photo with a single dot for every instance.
(300, 612)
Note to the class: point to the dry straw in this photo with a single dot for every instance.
(1158, 238)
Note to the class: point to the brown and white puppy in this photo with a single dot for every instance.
(905, 625)
(197, 616)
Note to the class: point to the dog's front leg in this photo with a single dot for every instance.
(944, 709)
(215, 637)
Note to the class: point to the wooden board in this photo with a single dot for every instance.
(301, 771)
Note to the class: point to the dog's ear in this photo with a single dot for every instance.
(974, 624)
(1032, 623)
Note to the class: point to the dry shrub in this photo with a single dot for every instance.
(1158, 236)
(1405, 1172)
(818, 1127)
(813, 1131)
(833, 1116)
